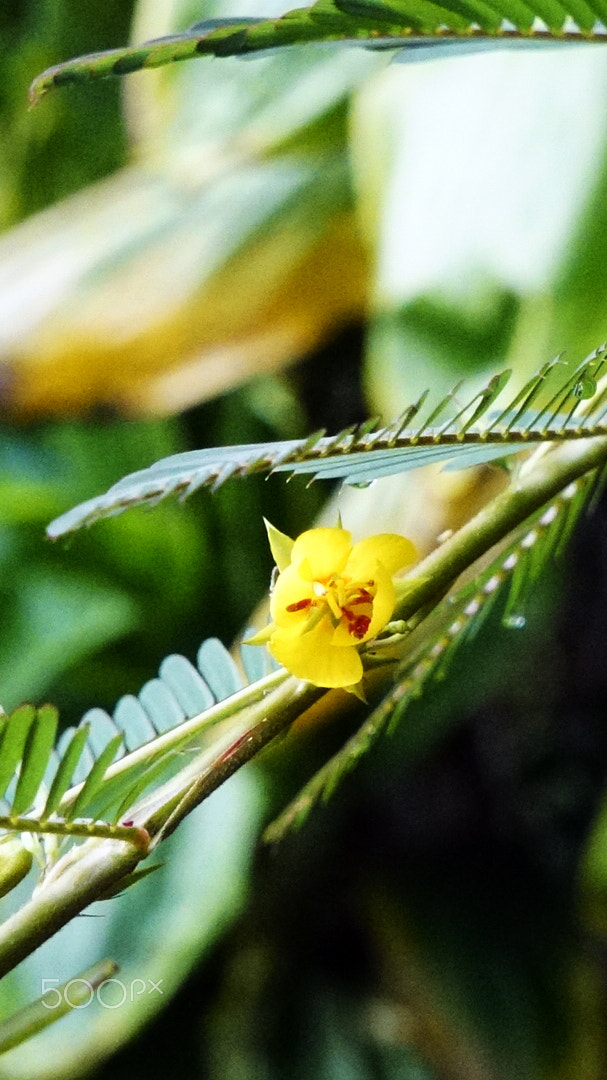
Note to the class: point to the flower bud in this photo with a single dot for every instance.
(15, 863)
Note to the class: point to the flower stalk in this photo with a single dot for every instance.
(537, 481)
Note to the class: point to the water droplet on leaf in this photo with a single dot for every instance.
(515, 622)
(585, 388)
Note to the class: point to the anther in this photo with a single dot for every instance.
(299, 605)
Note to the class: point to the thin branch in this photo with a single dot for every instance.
(539, 480)
(87, 873)
(56, 1003)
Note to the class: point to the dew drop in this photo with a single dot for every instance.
(585, 388)
(515, 622)
(362, 484)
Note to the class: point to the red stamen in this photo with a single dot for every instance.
(299, 605)
(361, 597)
(359, 626)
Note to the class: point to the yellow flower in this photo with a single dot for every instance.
(330, 598)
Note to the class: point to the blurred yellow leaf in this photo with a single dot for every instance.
(228, 247)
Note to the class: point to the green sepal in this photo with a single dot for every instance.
(281, 545)
(357, 690)
(261, 637)
(130, 879)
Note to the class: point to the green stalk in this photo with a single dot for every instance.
(90, 871)
(83, 875)
(187, 732)
(57, 1002)
(540, 478)
(262, 724)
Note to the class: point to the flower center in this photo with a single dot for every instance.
(348, 602)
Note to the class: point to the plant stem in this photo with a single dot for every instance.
(56, 1003)
(538, 481)
(263, 723)
(187, 732)
(87, 872)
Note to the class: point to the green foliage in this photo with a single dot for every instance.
(412, 26)
(157, 932)
(34, 756)
(85, 626)
(53, 789)
(54, 620)
(54, 156)
(362, 454)
(66, 767)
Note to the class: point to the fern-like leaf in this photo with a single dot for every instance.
(39, 744)
(456, 623)
(14, 731)
(469, 434)
(464, 24)
(65, 768)
(72, 789)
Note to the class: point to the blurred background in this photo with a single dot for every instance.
(237, 251)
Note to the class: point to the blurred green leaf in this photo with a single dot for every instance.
(60, 619)
(44, 159)
(228, 247)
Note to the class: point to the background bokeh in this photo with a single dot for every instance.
(237, 251)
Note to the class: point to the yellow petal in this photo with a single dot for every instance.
(383, 604)
(392, 551)
(312, 657)
(289, 590)
(342, 638)
(322, 552)
(281, 545)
